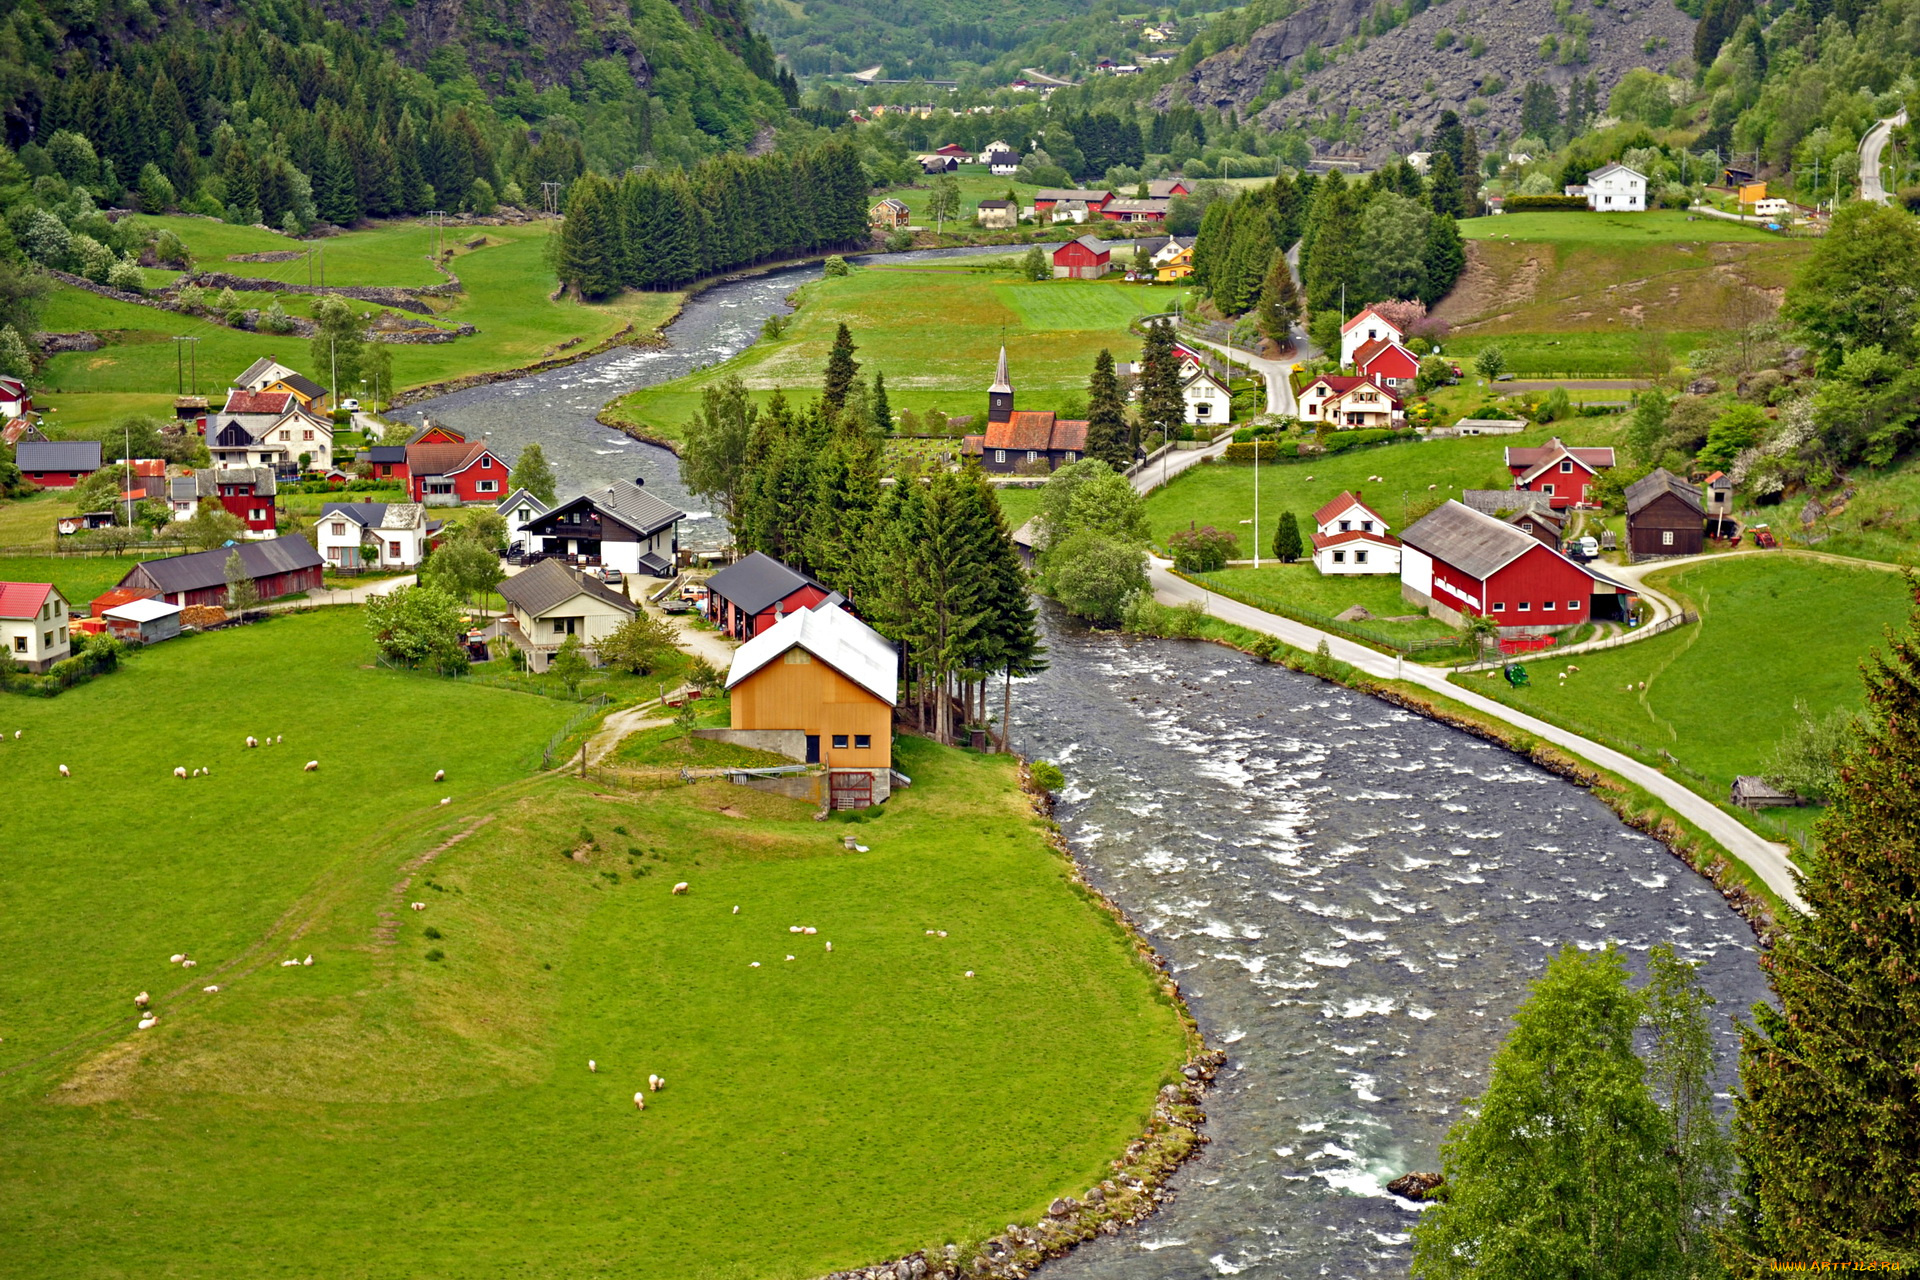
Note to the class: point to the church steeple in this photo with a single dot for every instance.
(1000, 394)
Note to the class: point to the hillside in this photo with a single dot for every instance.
(1318, 70)
(938, 39)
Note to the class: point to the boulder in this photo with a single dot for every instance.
(1062, 1207)
(1416, 1186)
(1356, 614)
(1703, 387)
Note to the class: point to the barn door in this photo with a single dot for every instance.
(851, 790)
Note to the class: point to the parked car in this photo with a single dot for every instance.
(351, 406)
(610, 575)
(694, 591)
(1584, 548)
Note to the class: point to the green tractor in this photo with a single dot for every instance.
(1516, 675)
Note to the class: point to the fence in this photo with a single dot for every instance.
(593, 707)
(1320, 621)
(86, 551)
(1668, 623)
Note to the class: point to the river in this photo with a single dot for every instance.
(1353, 897)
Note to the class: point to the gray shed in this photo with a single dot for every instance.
(148, 621)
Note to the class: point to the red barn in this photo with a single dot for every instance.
(1553, 469)
(279, 567)
(1084, 259)
(1461, 563)
(955, 150)
(750, 595)
(444, 475)
(57, 464)
(1387, 363)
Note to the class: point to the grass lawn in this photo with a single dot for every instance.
(1572, 355)
(1774, 629)
(666, 747)
(80, 578)
(976, 184)
(437, 1113)
(392, 253)
(28, 521)
(1655, 226)
(1019, 505)
(1880, 522)
(1302, 588)
(1221, 494)
(935, 334)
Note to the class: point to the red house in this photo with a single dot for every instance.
(1388, 363)
(57, 464)
(1084, 259)
(1460, 563)
(1047, 197)
(953, 149)
(1561, 473)
(445, 475)
(388, 462)
(249, 495)
(750, 595)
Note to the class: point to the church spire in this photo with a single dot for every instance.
(1001, 382)
(1000, 394)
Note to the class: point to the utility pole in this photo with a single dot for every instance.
(550, 198)
(180, 364)
(1256, 500)
(127, 458)
(333, 358)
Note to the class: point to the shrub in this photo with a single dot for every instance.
(436, 954)
(430, 932)
(1546, 204)
(834, 267)
(126, 275)
(1270, 451)
(1046, 776)
(1203, 550)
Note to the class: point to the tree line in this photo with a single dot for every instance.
(661, 229)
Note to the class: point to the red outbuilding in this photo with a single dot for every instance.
(1562, 474)
(1462, 563)
(1084, 259)
(57, 464)
(250, 495)
(750, 595)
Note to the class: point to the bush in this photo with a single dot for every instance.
(835, 267)
(126, 276)
(1546, 204)
(1341, 441)
(1270, 451)
(1046, 776)
(1203, 550)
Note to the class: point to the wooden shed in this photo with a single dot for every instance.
(1664, 517)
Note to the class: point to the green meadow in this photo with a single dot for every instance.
(418, 1101)
(1655, 226)
(935, 332)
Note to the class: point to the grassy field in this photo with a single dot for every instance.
(935, 333)
(1302, 587)
(1774, 629)
(1656, 226)
(667, 747)
(80, 578)
(1574, 355)
(976, 184)
(420, 1095)
(1221, 494)
(1018, 505)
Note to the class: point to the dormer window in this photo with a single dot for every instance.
(1346, 525)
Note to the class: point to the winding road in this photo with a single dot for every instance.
(1871, 148)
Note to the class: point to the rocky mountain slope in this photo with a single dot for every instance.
(1376, 95)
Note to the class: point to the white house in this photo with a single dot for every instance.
(1615, 188)
(33, 624)
(1420, 161)
(1208, 401)
(619, 527)
(992, 149)
(1349, 537)
(271, 429)
(520, 508)
(1368, 326)
(1348, 402)
(550, 602)
(1172, 249)
(399, 533)
(1003, 164)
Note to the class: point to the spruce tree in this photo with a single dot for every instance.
(1286, 539)
(1107, 431)
(1010, 634)
(1162, 408)
(1828, 1126)
(587, 252)
(842, 369)
(1445, 193)
(878, 410)
(1279, 300)
(1444, 259)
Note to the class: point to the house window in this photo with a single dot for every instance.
(1367, 525)
(862, 742)
(486, 462)
(286, 435)
(1566, 466)
(1525, 605)
(339, 529)
(526, 514)
(1032, 455)
(1666, 537)
(333, 554)
(999, 455)
(63, 635)
(1071, 455)
(839, 742)
(488, 486)
(1499, 606)
(1339, 557)
(306, 435)
(1547, 489)
(1546, 606)
(1359, 557)
(798, 657)
(393, 550)
(1346, 525)
(46, 639)
(1202, 409)
(19, 644)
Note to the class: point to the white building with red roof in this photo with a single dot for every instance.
(1368, 326)
(33, 624)
(1349, 537)
(1349, 402)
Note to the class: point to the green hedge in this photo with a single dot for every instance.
(1284, 451)
(1546, 204)
(1341, 441)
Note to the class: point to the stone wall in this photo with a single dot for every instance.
(791, 743)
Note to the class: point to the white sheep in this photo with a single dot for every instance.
(179, 771)
(279, 737)
(810, 930)
(439, 775)
(446, 799)
(16, 734)
(418, 906)
(64, 772)
(753, 964)
(943, 933)
(252, 741)
(176, 959)
(681, 887)
(793, 928)
(829, 946)
(142, 999)
(736, 911)
(592, 1066)
(656, 1083)
(639, 1102)
(148, 1021)
(212, 990)
(308, 960)
(969, 973)
(789, 957)
(188, 964)
(284, 964)
(313, 766)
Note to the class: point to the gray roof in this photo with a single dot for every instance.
(548, 584)
(1070, 193)
(1471, 541)
(1092, 244)
(756, 582)
(57, 455)
(521, 496)
(1493, 501)
(203, 569)
(261, 478)
(1657, 482)
(190, 488)
(304, 385)
(387, 453)
(379, 515)
(634, 507)
(257, 369)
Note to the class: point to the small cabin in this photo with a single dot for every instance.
(1664, 517)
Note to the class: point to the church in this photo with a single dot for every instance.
(1023, 441)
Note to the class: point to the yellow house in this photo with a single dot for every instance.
(268, 375)
(819, 685)
(1178, 267)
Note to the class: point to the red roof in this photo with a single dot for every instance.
(23, 599)
(149, 467)
(1342, 503)
(1364, 313)
(118, 596)
(1378, 347)
(1037, 430)
(1716, 475)
(1323, 540)
(1528, 461)
(274, 402)
(1340, 384)
(445, 459)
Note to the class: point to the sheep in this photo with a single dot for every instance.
(279, 737)
(16, 735)
(64, 772)
(1432, 487)
(793, 928)
(753, 964)
(313, 766)
(175, 959)
(656, 1083)
(809, 930)
(736, 911)
(148, 1021)
(212, 990)
(284, 964)
(308, 960)
(252, 741)
(592, 1066)
(179, 771)
(142, 999)
(439, 775)
(639, 1102)
(681, 887)
(188, 964)
(969, 973)
(196, 773)
(829, 946)
(943, 933)
(418, 906)
(789, 957)
(446, 799)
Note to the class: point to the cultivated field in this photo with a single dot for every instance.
(935, 332)
(418, 1099)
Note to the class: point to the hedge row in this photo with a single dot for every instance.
(1546, 204)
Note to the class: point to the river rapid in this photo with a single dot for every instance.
(1354, 898)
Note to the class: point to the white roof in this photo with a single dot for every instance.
(141, 610)
(836, 638)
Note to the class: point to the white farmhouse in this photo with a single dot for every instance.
(1207, 398)
(549, 602)
(398, 532)
(1615, 188)
(1349, 537)
(33, 624)
(520, 508)
(1368, 326)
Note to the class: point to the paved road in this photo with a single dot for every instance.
(1768, 860)
(1280, 398)
(1871, 148)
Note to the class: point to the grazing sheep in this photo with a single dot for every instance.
(793, 928)
(969, 973)
(313, 766)
(289, 964)
(789, 957)
(809, 930)
(829, 946)
(656, 1083)
(591, 1066)
(308, 960)
(681, 887)
(175, 959)
(148, 1021)
(142, 999)
(754, 964)
(418, 906)
(736, 911)
(439, 775)
(252, 741)
(943, 933)
(929, 933)
(179, 771)
(64, 773)
(639, 1102)
(16, 734)
(446, 799)
(188, 964)
(279, 737)
(212, 990)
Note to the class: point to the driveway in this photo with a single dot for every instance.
(1871, 148)
(1280, 399)
(1767, 859)
(348, 595)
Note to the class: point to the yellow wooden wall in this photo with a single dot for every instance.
(814, 698)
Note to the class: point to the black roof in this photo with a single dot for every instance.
(548, 584)
(1654, 484)
(757, 583)
(624, 502)
(57, 455)
(387, 453)
(203, 569)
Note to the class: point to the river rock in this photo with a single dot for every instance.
(1062, 1207)
(1416, 1186)
(1096, 1196)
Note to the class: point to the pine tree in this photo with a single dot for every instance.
(1162, 407)
(1445, 194)
(1286, 539)
(1334, 258)
(878, 410)
(1107, 430)
(1828, 1127)
(587, 249)
(1010, 635)
(842, 369)
(1444, 259)
(1279, 300)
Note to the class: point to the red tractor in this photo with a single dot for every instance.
(1763, 537)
